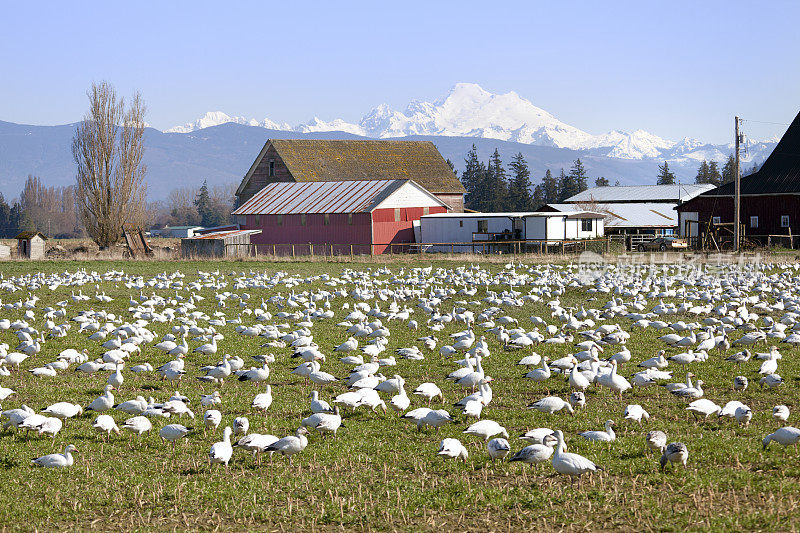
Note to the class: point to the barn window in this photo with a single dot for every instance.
(350, 218)
(327, 220)
(302, 219)
(483, 226)
(715, 220)
(397, 214)
(785, 221)
(279, 220)
(460, 223)
(271, 168)
(426, 210)
(753, 222)
(586, 224)
(258, 220)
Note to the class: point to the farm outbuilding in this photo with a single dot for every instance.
(320, 160)
(466, 232)
(177, 232)
(31, 244)
(770, 201)
(337, 217)
(228, 243)
(5, 251)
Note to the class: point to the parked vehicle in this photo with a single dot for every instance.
(663, 244)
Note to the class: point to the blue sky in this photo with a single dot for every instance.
(673, 68)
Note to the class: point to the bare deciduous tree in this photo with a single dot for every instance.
(108, 147)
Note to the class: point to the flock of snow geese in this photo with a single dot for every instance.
(735, 310)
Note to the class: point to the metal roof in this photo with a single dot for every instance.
(640, 193)
(294, 198)
(574, 212)
(225, 234)
(633, 215)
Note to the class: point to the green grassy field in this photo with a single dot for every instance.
(380, 473)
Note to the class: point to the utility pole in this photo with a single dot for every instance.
(737, 192)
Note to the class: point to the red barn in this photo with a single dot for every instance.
(311, 160)
(770, 197)
(336, 217)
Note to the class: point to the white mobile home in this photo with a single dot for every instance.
(466, 232)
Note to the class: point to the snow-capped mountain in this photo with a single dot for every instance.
(215, 118)
(470, 111)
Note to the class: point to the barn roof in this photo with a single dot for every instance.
(780, 173)
(225, 234)
(630, 215)
(25, 235)
(348, 160)
(354, 196)
(640, 193)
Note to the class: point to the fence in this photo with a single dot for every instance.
(541, 247)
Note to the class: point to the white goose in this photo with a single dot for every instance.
(570, 464)
(607, 435)
(291, 444)
(454, 449)
(221, 452)
(56, 460)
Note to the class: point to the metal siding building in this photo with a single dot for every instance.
(337, 217)
(229, 243)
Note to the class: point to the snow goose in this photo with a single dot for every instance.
(739, 357)
(656, 440)
(207, 400)
(498, 448)
(46, 424)
(116, 378)
(173, 432)
(317, 405)
(453, 448)
(537, 436)
(540, 374)
(105, 424)
(290, 445)
(486, 429)
(740, 383)
(690, 392)
(5, 393)
(578, 380)
(570, 464)
(536, 453)
(263, 400)
(614, 381)
(435, 419)
(221, 452)
(551, 404)
(780, 412)
(103, 402)
(138, 425)
(770, 381)
(241, 425)
(703, 407)
(212, 419)
(63, 410)
(56, 460)
(256, 375)
(400, 401)
(785, 436)
(319, 377)
(577, 399)
(133, 407)
(429, 391)
(607, 435)
(324, 422)
(675, 452)
(658, 362)
(15, 417)
(177, 407)
(743, 415)
(256, 443)
(729, 409)
(636, 413)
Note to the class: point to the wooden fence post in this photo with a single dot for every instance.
(292, 250)
(351, 250)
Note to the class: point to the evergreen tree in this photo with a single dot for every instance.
(601, 182)
(494, 186)
(451, 165)
(578, 175)
(702, 173)
(550, 187)
(729, 170)
(519, 189)
(752, 170)
(538, 197)
(566, 186)
(204, 210)
(715, 177)
(665, 175)
(471, 178)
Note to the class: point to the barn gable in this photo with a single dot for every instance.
(307, 160)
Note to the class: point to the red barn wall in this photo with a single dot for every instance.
(768, 209)
(387, 230)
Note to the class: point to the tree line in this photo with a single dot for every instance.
(708, 172)
(493, 187)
